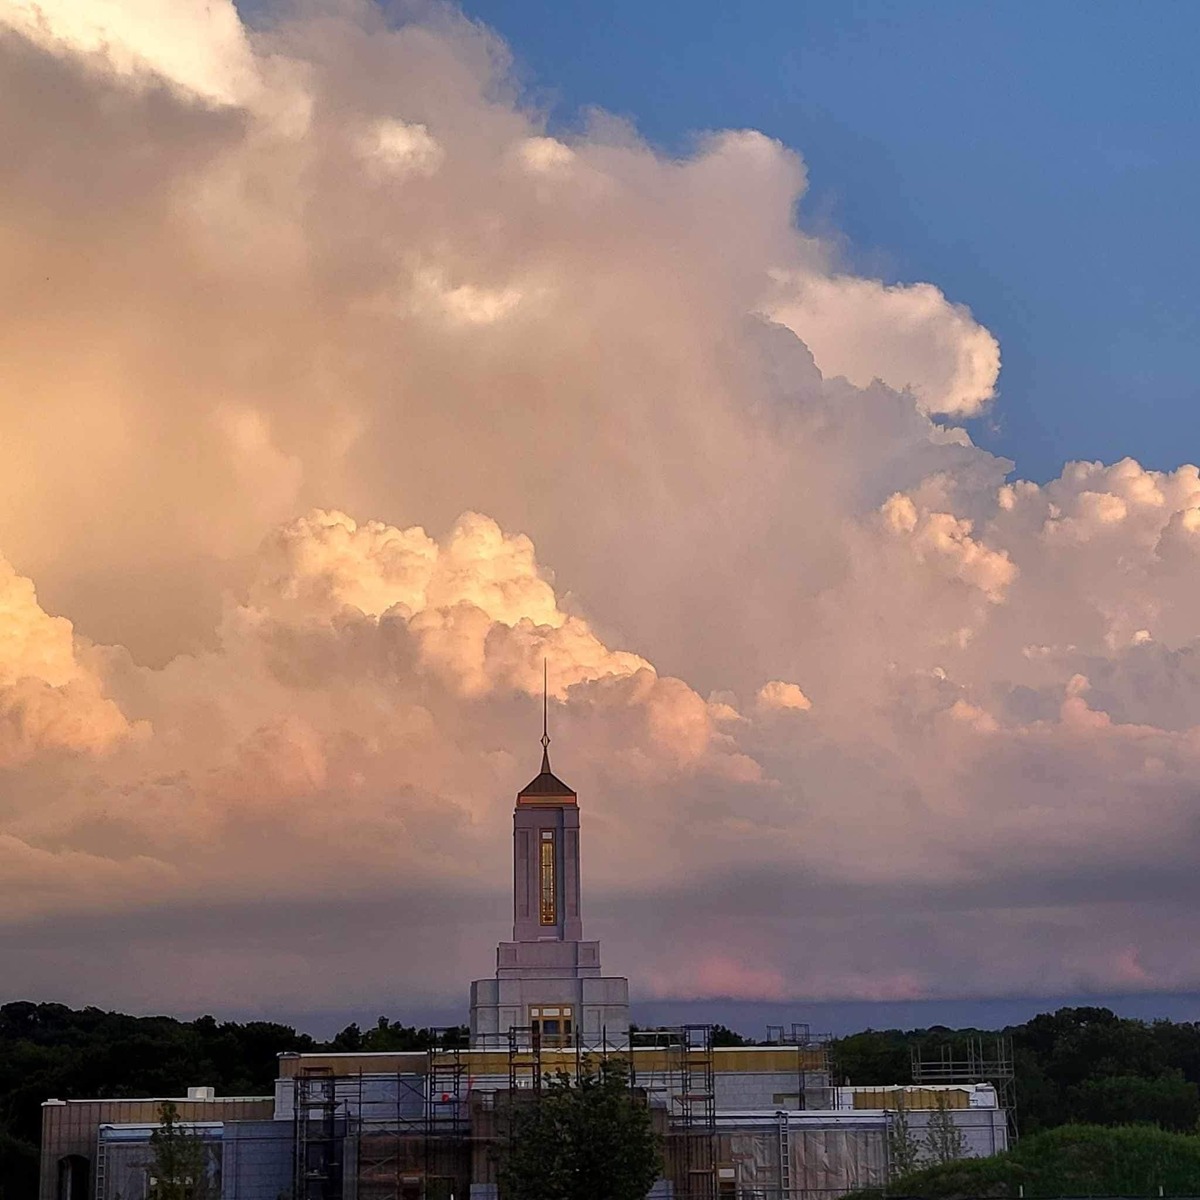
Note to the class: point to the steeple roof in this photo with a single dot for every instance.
(546, 785)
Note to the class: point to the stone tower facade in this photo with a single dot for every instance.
(548, 979)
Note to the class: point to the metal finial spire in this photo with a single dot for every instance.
(545, 725)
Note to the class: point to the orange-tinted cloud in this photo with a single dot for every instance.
(341, 392)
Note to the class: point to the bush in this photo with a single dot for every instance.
(1072, 1160)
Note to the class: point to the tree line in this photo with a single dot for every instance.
(1073, 1066)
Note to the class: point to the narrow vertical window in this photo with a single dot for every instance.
(549, 885)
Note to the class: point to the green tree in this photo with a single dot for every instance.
(903, 1149)
(589, 1138)
(180, 1161)
(1072, 1160)
(944, 1141)
(722, 1035)
(873, 1057)
(1170, 1101)
(391, 1035)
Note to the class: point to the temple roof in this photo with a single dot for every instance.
(546, 785)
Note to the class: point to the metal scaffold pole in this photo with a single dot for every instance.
(317, 1173)
(973, 1060)
(444, 1122)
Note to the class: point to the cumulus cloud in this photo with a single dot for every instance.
(908, 336)
(49, 699)
(342, 393)
(777, 694)
(402, 148)
(197, 45)
(946, 539)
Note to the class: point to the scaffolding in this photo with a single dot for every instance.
(446, 1120)
(524, 1061)
(591, 1048)
(495, 1113)
(410, 1128)
(971, 1060)
(814, 1062)
(317, 1174)
(678, 1073)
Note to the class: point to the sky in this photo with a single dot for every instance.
(1032, 159)
(358, 362)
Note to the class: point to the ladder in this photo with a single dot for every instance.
(101, 1166)
(785, 1158)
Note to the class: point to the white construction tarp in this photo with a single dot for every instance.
(830, 1162)
(821, 1163)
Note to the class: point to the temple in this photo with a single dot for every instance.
(548, 984)
(738, 1122)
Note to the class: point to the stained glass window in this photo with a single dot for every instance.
(549, 887)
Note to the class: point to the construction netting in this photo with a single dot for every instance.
(813, 1164)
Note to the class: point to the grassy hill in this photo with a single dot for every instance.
(1073, 1160)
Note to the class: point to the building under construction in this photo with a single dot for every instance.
(764, 1122)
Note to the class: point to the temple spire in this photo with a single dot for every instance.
(545, 724)
(546, 787)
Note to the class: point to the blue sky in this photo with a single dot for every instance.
(1036, 161)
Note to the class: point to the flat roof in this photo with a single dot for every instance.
(749, 1059)
(162, 1100)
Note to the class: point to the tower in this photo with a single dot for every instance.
(548, 978)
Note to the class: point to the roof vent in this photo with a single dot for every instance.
(201, 1093)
